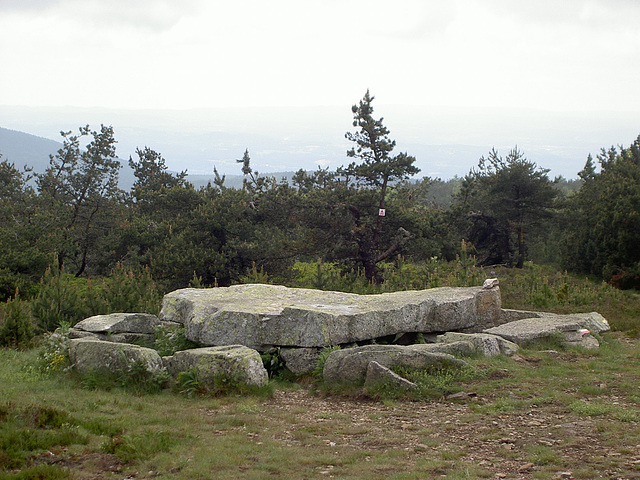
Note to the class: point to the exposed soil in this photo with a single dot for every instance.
(90, 465)
(500, 443)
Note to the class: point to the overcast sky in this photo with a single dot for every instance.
(546, 54)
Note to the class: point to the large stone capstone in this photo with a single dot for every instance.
(260, 316)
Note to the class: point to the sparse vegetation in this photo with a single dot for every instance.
(324, 354)
(135, 379)
(170, 339)
(189, 384)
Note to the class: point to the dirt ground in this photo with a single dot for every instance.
(500, 443)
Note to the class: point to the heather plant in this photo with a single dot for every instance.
(25, 432)
(129, 447)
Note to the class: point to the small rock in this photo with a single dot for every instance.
(527, 467)
(238, 362)
(553, 353)
(87, 354)
(564, 475)
(352, 364)
(460, 396)
(119, 323)
(490, 283)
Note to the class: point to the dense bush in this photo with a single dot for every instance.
(604, 218)
(16, 324)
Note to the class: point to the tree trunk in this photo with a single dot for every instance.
(371, 270)
(381, 206)
(521, 247)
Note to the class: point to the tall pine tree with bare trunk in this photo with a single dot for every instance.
(375, 169)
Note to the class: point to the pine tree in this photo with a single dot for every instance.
(503, 200)
(377, 171)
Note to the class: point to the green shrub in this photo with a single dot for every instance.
(189, 384)
(397, 275)
(127, 291)
(170, 339)
(274, 364)
(139, 446)
(438, 381)
(138, 379)
(65, 299)
(16, 324)
(322, 359)
(135, 378)
(61, 299)
(255, 275)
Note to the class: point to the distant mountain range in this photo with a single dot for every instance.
(23, 149)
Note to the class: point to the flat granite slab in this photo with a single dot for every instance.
(260, 316)
(119, 323)
(527, 330)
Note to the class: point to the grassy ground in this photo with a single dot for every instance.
(545, 413)
(539, 414)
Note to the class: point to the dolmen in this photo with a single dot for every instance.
(376, 333)
(266, 316)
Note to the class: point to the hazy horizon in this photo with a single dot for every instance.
(446, 141)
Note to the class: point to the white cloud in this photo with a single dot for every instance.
(323, 163)
(197, 53)
(29, 5)
(152, 14)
